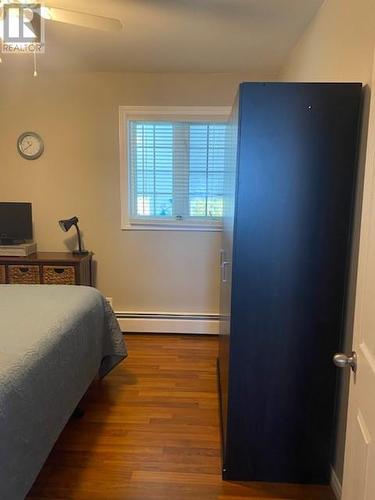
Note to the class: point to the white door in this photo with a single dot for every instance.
(359, 471)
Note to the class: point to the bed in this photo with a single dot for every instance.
(54, 341)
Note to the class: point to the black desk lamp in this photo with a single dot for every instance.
(65, 225)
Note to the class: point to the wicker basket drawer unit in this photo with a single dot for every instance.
(24, 275)
(59, 275)
(2, 275)
(49, 268)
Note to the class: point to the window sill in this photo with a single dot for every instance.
(155, 227)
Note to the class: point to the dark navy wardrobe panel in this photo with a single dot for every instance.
(287, 254)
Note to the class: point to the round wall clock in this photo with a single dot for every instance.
(30, 145)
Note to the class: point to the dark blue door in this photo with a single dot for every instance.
(296, 171)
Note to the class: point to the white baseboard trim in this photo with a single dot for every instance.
(138, 322)
(335, 484)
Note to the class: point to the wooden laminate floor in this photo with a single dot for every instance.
(151, 431)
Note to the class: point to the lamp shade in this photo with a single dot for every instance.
(66, 224)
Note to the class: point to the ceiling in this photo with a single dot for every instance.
(176, 36)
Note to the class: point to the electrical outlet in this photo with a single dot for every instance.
(110, 301)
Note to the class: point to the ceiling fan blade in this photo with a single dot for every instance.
(81, 19)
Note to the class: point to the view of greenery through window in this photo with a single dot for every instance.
(177, 169)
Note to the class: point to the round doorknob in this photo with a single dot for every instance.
(343, 360)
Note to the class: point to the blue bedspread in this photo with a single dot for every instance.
(54, 340)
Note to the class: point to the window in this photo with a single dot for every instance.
(173, 167)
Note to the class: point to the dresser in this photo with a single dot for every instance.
(47, 268)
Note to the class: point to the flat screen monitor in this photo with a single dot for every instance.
(15, 223)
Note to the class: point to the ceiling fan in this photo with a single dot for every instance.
(53, 11)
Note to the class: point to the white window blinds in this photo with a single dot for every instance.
(176, 171)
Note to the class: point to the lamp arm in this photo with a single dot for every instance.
(79, 237)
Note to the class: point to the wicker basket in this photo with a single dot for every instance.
(27, 275)
(2, 275)
(59, 275)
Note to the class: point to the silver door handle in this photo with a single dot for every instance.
(222, 257)
(223, 264)
(342, 360)
(223, 271)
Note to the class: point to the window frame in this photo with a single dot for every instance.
(162, 113)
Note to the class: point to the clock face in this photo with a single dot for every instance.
(30, 145)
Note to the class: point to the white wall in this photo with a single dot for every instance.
(79, 174)
(338, 46)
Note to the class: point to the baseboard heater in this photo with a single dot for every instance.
(151, 322)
